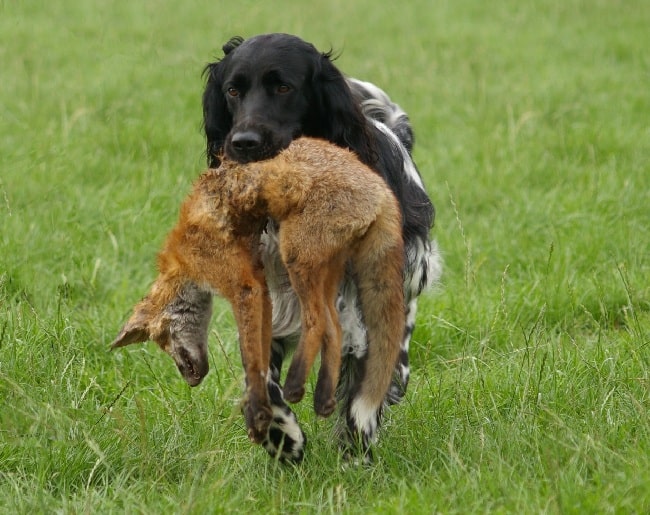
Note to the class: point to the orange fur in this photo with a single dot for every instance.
(333, 211)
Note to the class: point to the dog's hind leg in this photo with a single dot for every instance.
(423, 268)
(355, 347)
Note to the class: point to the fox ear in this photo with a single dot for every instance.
(136, 330)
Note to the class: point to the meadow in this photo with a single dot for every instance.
(530, 389)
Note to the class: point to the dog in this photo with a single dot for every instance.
(332, 212)
(267, 91)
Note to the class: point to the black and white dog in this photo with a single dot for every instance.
(266, 91)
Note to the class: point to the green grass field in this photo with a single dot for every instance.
(531, 362)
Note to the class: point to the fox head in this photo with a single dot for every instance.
(177, 322)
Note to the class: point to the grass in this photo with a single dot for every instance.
(531, 379)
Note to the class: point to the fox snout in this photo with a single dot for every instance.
(192, 367)
(179, 326)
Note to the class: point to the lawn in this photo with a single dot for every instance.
(530, 390)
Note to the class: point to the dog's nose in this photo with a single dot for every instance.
(245, 141)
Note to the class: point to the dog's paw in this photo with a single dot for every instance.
(284, 439)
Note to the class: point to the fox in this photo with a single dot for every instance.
(335, 216)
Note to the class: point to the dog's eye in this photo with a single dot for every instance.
(233, 92)
(283, 88)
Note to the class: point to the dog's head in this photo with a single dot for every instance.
(178, 323)
(270, 89)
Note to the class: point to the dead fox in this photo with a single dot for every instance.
(333, 212)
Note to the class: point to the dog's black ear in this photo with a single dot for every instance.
(232, 43)
(338, 116)
(217, 120)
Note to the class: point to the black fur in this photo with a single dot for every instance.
(318, 103)
(263, 93)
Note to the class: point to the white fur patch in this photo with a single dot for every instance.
(409, 168)
(288, 424)
(380, 106)
(286, 306)
(423, 267)
(365, 417)
(355, 341)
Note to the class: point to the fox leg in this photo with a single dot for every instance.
(379, 274)
(330, 368)
(250, 302)
(317, 287)
(309, 284)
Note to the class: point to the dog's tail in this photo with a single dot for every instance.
(378, 267)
